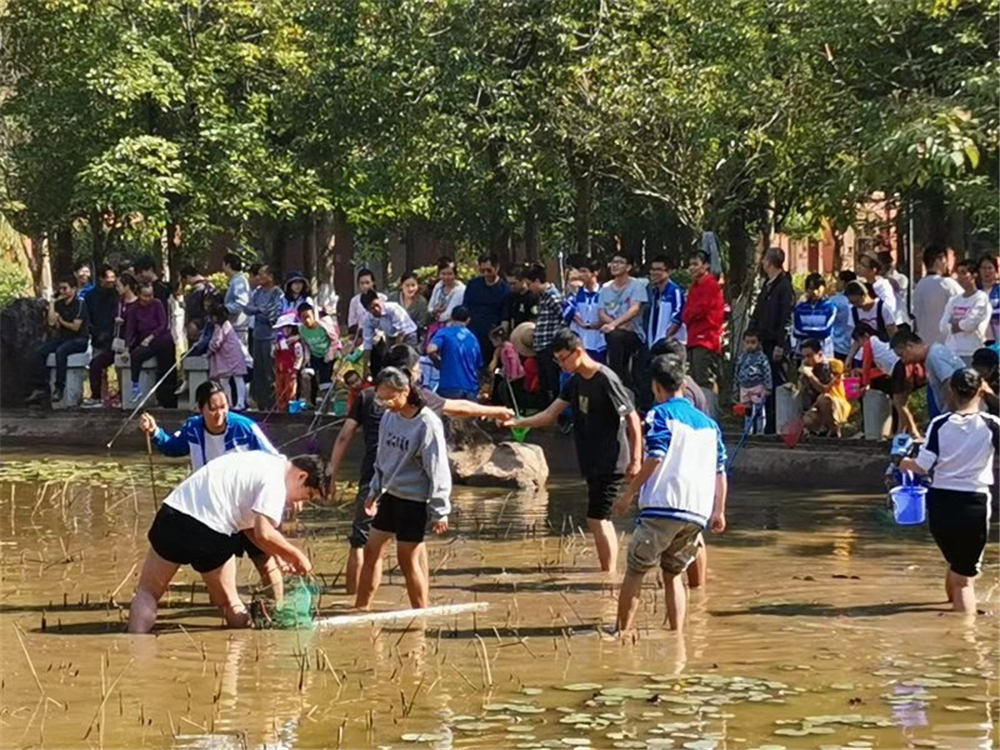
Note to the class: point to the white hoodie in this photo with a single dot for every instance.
(972, 313)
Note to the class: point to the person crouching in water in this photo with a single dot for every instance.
(215, 432)
(199, 524)
(958, 454)
(682, 489)
(412, 482)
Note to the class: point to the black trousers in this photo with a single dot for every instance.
(163, 351)
(779, 376)
(625, 351)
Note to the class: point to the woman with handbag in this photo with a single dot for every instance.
(128, 295)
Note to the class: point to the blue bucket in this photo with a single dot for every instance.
(908, 504)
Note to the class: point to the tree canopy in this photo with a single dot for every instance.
(558, 123)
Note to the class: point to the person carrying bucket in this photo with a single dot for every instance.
(958, 454)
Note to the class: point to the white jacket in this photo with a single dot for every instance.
(972, 313)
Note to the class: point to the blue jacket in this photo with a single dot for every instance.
(815, 320)
(242, 434)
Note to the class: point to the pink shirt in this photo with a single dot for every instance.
(511, 362)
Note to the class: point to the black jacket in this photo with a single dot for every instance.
(102, 306)
(772, 316)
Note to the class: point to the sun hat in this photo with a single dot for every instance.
(288, 319)
(523, 339)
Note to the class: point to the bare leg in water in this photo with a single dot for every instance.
(606, 543)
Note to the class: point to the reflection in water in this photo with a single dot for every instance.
(818, 618)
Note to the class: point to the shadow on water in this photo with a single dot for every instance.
(819, 609)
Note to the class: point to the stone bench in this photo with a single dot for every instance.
(147, 379)
(77, 373)
(196, 373)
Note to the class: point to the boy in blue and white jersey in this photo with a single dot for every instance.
(815, 316)
(682, 490)
(582, 310)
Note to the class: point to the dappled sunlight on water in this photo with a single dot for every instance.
(822, 625)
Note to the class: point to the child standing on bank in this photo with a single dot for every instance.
(753, 381)
(959, 453)
(226, 356)
(682, 490)
(411, 485)
(289, 357)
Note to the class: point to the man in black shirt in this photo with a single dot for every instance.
(607, 430)
(68, 318)
(102, 309)
(523, 302)
(145, 271)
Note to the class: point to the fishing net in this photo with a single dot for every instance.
(297, 610)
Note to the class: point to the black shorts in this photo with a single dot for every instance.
(959, 524)
(181, 539)
(407, 519)
(248, 548)
(601, 495)
(362, 522)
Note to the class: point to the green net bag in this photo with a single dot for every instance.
(297, 611)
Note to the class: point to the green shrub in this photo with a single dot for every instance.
(14, 282)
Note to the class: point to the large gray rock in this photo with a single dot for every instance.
(515, 465)
(22, 329)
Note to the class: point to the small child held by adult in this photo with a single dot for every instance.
(825, 403)
(226, 356)
(682, 490)
(753, 381)
(958, 455)
(508, 386)
(289, 357)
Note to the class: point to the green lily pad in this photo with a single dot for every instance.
(575, 741)
(632, 693)
(701, 745)
(531, 691)
(789, 732)
(629, 745)
(414, 737)
(475, 726)
(521, 728)
(581, 687)
(959, 708)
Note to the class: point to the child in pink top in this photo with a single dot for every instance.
(227, 357)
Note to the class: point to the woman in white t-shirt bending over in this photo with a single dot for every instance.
(200, 521)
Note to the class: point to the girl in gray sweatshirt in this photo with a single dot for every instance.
(411, 486)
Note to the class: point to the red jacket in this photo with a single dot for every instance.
(704, 314)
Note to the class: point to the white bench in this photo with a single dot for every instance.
(147, 379)
(196, 373)
(77, 372)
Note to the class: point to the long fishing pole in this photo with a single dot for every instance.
(303, 436)
(152, 475)
(146, 398)
(746, 433)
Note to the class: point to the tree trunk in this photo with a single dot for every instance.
(531, 231)
(838, 249)
(335, 253)
(64, 252)
(309, 231)
(583, 185)
(171, 250)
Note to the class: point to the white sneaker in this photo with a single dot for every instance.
(92, 403)
(136, 390)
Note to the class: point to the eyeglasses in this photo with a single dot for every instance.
(618, 262)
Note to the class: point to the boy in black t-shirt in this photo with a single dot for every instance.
(607, 431)
(68, 318)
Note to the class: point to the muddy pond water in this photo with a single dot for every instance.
(822, 625)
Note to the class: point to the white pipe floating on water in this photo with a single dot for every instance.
(403, 614)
